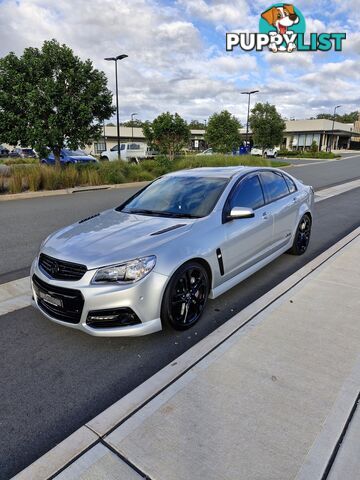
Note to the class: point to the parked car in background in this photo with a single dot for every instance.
(4, 152)
(267, 152)
(20, 152)
(68, 157)
(208, 151)
(132, 152)
(188, 236)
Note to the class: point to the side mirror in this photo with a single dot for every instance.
(241, 212)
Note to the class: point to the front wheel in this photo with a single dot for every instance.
(302, 236)
(185, 296)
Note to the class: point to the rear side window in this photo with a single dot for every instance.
(291, 185)
(249, 194)
(134, 146)
(274, 185)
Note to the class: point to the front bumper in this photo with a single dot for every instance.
(143, 298)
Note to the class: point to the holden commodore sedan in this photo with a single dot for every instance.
(157, 258)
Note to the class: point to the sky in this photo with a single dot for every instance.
(177, 59)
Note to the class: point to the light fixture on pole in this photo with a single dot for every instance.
(132, 126)
(115, 59)
(248, 114)
(332, 129)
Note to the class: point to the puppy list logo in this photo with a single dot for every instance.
(282, 29)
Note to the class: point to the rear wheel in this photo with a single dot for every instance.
(302, 236)
(185, 296)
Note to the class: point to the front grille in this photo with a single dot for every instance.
(61, 270)
(70, 302)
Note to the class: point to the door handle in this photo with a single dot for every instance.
(265, 216)
(295, 199)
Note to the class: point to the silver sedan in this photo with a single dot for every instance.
(157, 258)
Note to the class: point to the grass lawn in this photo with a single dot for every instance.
(41, 177)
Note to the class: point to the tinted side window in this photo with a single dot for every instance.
(274, 185)
(248, 194)
(291, 185)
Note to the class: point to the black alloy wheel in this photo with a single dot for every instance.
(302, 236)
(185, 296)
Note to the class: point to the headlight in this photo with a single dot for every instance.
(128, 272)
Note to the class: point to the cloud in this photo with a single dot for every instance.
(177, 59)
(217, 11)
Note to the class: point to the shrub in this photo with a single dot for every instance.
(69, 177)
(16, 181)
(51, 177)
(112, 172)
(33, 178)
(145, 176)
(314, 147)
(163, 164)
(3, 184)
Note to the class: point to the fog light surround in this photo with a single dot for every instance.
(118, 317)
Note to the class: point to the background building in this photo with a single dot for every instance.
(299, 135)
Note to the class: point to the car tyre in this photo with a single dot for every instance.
(302, 236)
(185, 296)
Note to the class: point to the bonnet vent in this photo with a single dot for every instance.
(173, 227)
(89, 218)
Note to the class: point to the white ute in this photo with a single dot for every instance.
(132, 152)
(267, 152)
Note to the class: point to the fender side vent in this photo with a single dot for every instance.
(220, 260)
(89, 218)
(168, 229)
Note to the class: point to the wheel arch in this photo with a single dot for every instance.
(199, 260)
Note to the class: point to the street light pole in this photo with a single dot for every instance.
(332, 129)
(115, 59)
(132, 126)
(248, 113)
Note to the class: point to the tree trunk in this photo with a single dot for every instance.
(57, 151)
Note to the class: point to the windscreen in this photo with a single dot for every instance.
(180, 196)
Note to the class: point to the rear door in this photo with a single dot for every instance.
(248, 239)
(283, 203)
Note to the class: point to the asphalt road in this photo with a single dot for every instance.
(54, 379)
(25, 223)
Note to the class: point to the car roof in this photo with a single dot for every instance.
(225, 172)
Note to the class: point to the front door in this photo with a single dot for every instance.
(247, 239)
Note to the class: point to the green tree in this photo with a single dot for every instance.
(196, 125)
(168, 133)
(345, 118)
(49, 98)
(222, 132)
(133, 123)
(267, 125)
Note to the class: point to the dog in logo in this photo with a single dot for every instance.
(281, 18)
